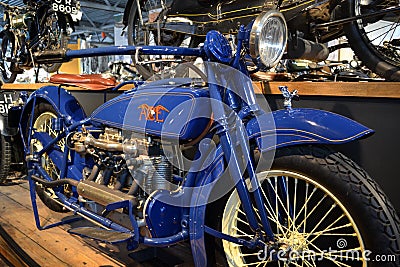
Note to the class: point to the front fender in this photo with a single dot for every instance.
(200, 196)
(307, 126)
(61, 100)
(294, 127)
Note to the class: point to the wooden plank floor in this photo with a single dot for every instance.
(55, 246)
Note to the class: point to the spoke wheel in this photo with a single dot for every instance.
(42, 122)
(323, 210)
(376, 40)
(307, 222)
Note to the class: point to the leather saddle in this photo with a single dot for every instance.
(88, 81)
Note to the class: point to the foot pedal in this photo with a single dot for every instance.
(108, 236)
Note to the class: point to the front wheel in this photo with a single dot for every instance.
(323, 209)
(7, 58)
(376, 39)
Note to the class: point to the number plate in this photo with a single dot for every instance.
(66, 6)
(6, 99)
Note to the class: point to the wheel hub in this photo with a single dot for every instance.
(296, 241)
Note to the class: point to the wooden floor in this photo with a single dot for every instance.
(55, 246)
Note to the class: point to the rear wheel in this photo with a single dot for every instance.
(7, 57)
(324, 210)
(43, 117)
(376, 40)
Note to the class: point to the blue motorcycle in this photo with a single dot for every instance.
(206, 162)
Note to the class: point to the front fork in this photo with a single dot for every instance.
(237, 154)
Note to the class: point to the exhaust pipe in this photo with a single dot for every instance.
(299, 48)
(98, 193)
(52, 184)
(102, 194)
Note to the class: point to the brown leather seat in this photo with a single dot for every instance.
(87, 81)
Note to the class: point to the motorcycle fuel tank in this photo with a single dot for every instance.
(159, 108)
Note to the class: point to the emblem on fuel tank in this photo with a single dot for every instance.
(153, 113)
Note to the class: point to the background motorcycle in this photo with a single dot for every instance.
(369, 25)
(160, 153)
(38, 26)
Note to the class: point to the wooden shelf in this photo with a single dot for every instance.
(347, 89)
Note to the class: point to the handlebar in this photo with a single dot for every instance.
(61, 55)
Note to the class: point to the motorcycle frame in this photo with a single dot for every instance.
(304, 127)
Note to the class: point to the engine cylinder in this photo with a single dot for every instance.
(162, 176)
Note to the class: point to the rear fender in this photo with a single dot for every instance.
(62, 101)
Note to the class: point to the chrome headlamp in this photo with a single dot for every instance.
(268, 37)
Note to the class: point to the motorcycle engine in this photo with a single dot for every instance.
(134, 165)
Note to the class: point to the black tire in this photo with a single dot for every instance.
(382, 59)
(56, 37)
(7, 67)
(141, 36)
(46, 195)
(5, 158)
(368, 221)
(54, 67)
